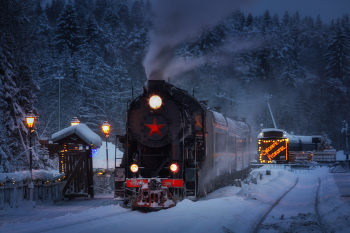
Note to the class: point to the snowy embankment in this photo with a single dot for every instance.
(334, 208)
(24, 176)
(230, 209)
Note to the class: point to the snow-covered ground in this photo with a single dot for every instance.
(230, 209)
(340, 156)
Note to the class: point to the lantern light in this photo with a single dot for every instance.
(74, 121)
(155, 102)
(105, 127)
(134, 168)
(173, 167)
(30, 119)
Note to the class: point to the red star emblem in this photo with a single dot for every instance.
(155, 128)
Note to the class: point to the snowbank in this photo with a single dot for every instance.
(38, 175)
(340, 156)
(230, 209)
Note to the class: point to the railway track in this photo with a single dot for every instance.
(294, 223)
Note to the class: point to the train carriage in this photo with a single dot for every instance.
(273, 146)
(277, 146)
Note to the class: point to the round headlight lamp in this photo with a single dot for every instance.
(134, 168)
(173, 167)
(155, 102)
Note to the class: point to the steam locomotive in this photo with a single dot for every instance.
(176, 147)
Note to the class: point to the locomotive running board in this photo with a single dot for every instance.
(161, 198)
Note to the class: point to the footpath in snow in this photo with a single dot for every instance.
(229, 209)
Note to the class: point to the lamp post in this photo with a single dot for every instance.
(344, 130)
(59, 102)
(30, 119)
(74, 121)
(105, 129)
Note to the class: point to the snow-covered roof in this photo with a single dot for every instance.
(272, 129)
(83, 131)
(303, 139)
(261, 134)
(231, 125)
(292, 138)
(219, 118)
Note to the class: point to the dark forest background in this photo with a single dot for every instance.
(96, 49)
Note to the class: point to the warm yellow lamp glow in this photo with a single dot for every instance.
(74, 121)
(155, 102)
(173, 167)
(134, 168)
(105, 127)
(30, 118)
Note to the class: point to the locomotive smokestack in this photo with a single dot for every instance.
(217, 109)
(156, 87)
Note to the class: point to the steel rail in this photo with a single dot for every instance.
(316, 208)
(321, 224)
(257, 227)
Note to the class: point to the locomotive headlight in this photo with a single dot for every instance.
(173, 167)
(155, 102)
(134, 168)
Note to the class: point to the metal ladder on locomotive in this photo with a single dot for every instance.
(119, 172)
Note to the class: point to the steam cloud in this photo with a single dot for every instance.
(177, 21)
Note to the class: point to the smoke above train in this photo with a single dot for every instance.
(179, 21)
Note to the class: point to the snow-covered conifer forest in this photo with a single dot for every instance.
(97, 48)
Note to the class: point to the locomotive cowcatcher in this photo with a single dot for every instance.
(175, 147)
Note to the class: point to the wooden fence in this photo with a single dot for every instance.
(14, 194)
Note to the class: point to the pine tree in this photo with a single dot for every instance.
(267, 20)
(286, 19)
(242, 22)
(250, 20)
(245, 68)
(136, 14)
(124, 15)
(67, 31)
(275, 20)
(83, 8)
(38, 8)
(338, 60)
(16, 77)
(148, 7)
(53, 11)
(91, 32)
(100, 9)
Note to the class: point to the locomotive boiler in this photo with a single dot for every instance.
(176, 147)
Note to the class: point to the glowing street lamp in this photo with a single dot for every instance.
(74, 121)
(30, 119)
(105, 129)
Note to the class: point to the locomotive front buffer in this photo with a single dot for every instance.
(154, 193)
